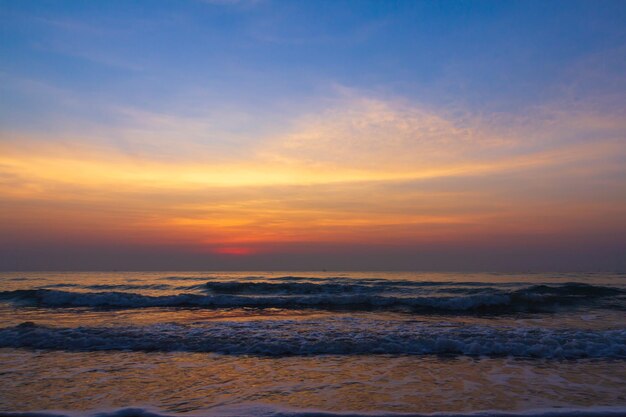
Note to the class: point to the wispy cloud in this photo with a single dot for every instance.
(362, 169)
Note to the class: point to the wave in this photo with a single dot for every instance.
(538, 298)
(384, 281)
(202, 278)
(374, 285)
(241, 410)
(337, 336)
(21, 279)
(112, 286)
(337, 279)
(238, 287)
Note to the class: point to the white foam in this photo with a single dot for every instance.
(331, 294)
(340, 335)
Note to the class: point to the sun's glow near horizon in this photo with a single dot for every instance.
(320, 165)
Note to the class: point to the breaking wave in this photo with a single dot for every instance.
(336, 336)
(335, 296)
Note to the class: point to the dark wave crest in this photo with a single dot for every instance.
(333, 296)
(345, 336)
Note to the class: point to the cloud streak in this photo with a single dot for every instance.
(363, 171)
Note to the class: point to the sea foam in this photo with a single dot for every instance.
(338, 336)
(358, 296)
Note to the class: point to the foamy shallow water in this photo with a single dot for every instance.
(190, 382)
(284, 343)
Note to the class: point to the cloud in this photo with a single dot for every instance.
(354, 139)
(362, 170)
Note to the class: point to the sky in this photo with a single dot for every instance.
(311, 135)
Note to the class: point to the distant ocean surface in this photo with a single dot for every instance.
(309, 343)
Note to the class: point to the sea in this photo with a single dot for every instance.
(149, 344)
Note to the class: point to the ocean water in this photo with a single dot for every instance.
(312, 343)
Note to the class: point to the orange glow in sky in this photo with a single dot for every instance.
(114, 154)
(233, 250)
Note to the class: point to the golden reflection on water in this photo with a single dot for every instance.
(180, 382)
(75, 317)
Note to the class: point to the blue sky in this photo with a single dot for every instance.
(516, 103)
(166, 55)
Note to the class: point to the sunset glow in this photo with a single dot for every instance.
(217, 169)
